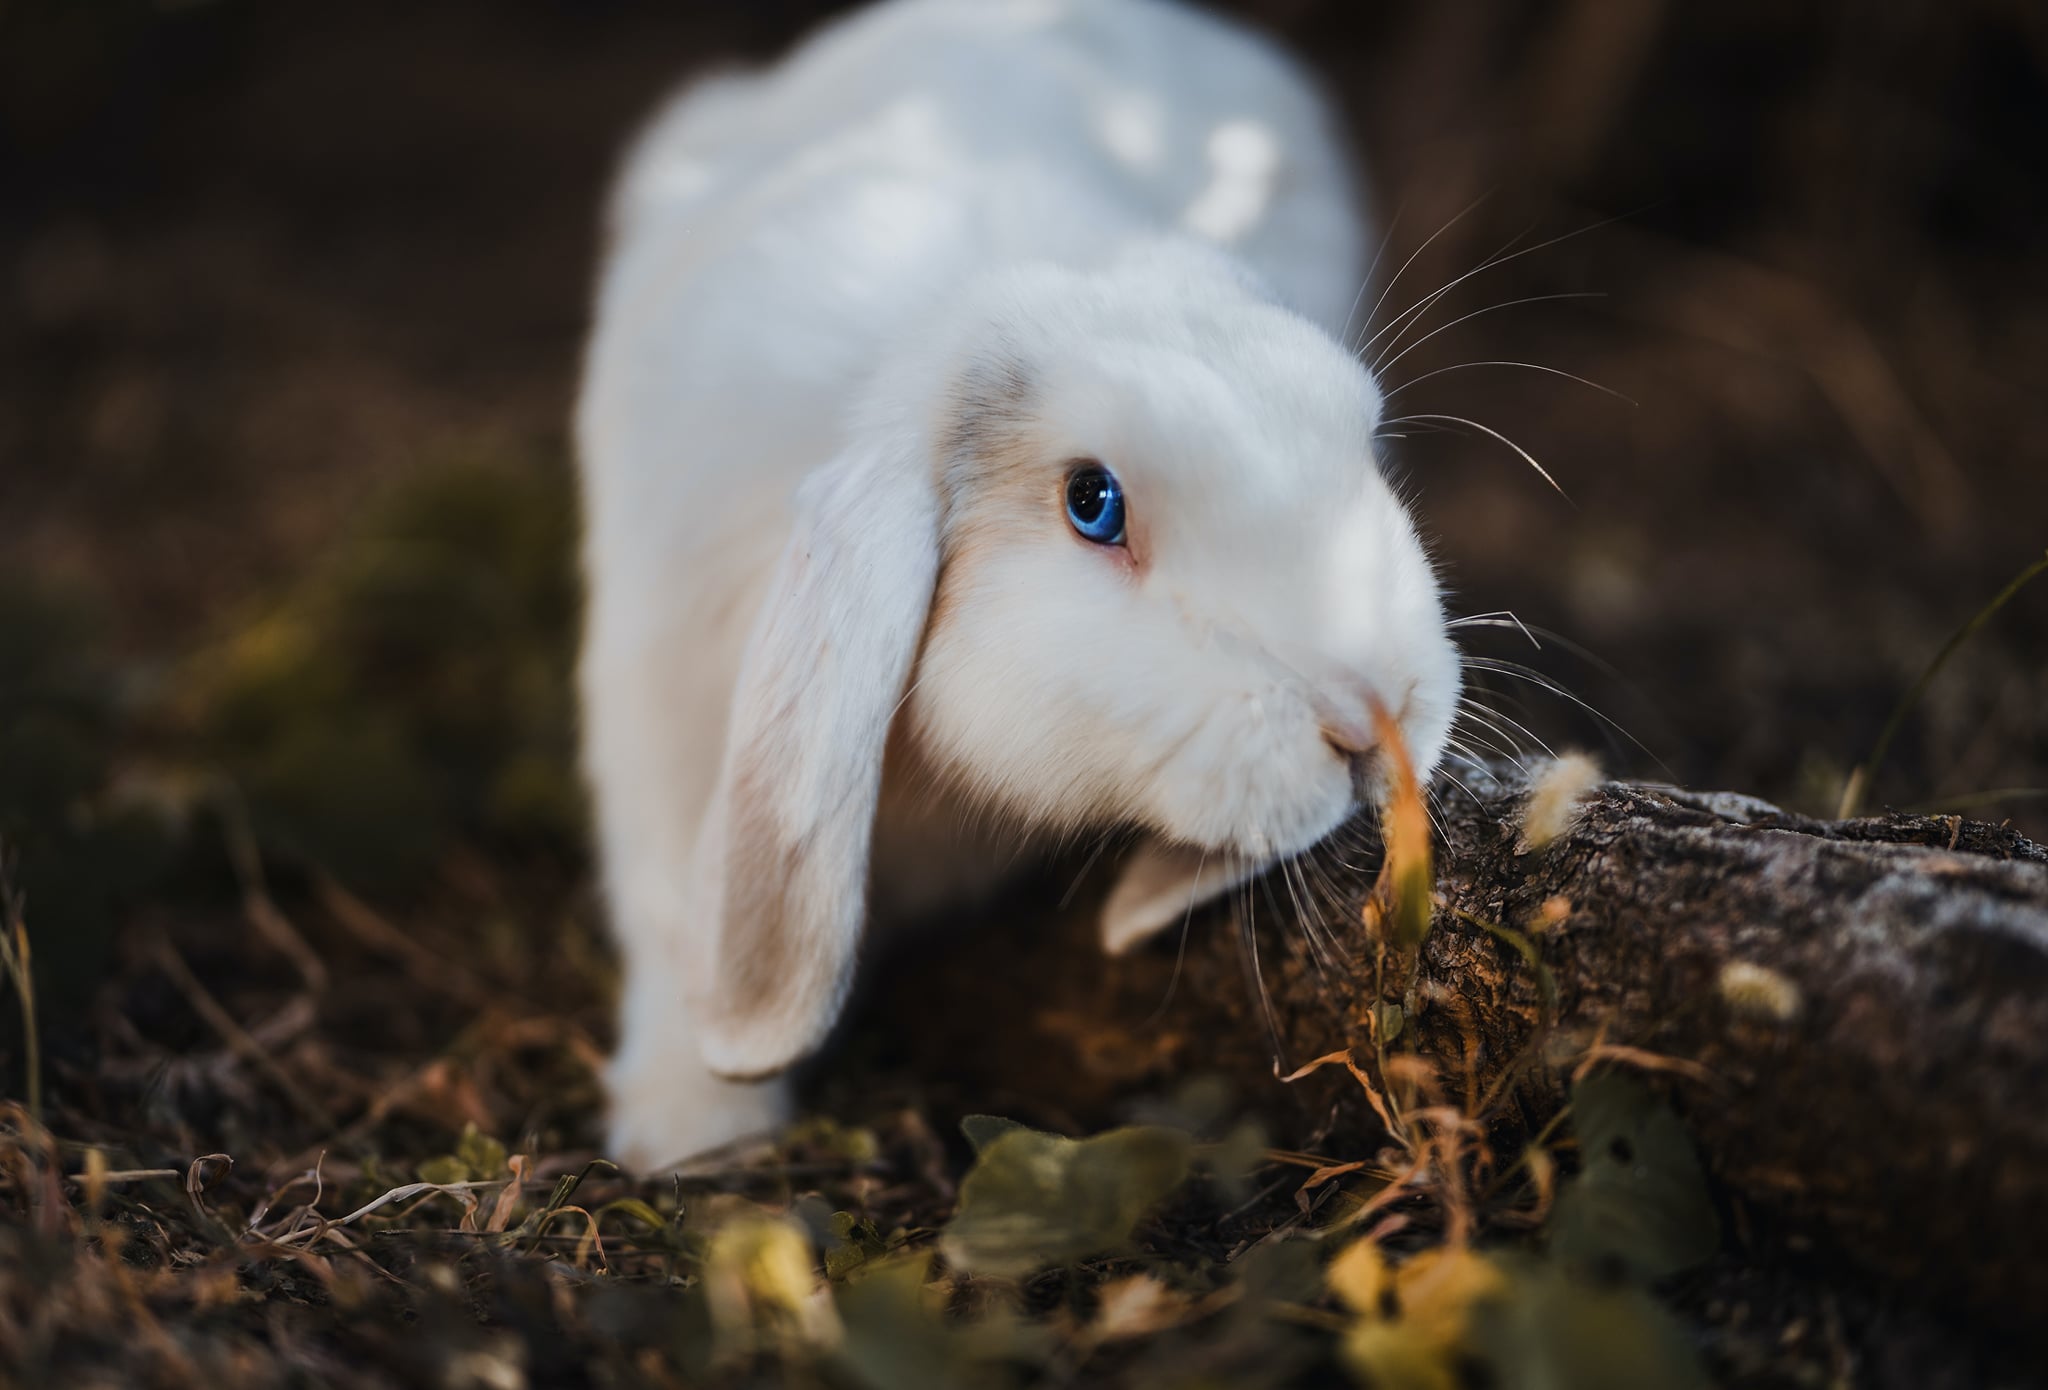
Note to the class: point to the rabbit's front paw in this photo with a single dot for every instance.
(669, 1110)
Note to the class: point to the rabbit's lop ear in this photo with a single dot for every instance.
(818, 688)
(1161, 884)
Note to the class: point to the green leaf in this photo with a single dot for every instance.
(1451, 1317)
(445, 1169)
(853, 1143)
(566, 1185)
(1553, 1332)
(1640, 1199)
(1280, 1271)
(983, 1130)
(1038, 1200)
(1232, 1162)
(856, 1241)
(891, 1337)
(637, 1209)
(481, 1154)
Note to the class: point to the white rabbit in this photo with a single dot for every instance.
(969, 460)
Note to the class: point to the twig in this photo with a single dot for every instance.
(261, 910)
(396, 1194)
(128, 1175)
(1648, 1061)
(373, 931)
(20, 966)
(1372, 1094)
(195, 1189)
(234, 1034)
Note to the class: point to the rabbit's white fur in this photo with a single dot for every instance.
(860, 314)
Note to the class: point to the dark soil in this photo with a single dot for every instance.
(270, 276)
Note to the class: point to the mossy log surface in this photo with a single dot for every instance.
(1868, 1085)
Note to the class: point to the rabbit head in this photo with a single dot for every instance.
(1113, 550)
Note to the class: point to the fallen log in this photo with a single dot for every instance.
(1855, 1013)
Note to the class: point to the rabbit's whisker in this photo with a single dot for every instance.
(1515, 670)
(1389, 357)
(1551, 635)
(1380, 303)
(1102, 843)
(1457, 748)
(1455, 780)
(1386, 239)
(1326, 897)
(1290, 880)
(1431, 808)
(1507, 362)
(1414, 312)
(1180, 950)
(1419, 310)
(1527, 457)
(1477, 724)
(1504, 617)
(1248, 941)
(1490, 713)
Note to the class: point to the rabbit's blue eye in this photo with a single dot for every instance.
(1095, 504)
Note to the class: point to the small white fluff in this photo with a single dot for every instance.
(865, 318)
(1555, 798)
(1759, 993)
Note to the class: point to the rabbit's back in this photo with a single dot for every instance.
(1166, 114)
(772, 231)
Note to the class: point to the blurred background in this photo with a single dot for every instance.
(292, 298)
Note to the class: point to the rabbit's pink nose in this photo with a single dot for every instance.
(1348, 738)
(1352, 733)
(1355, 744)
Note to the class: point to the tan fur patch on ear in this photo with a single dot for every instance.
(988, 455)
(1006, 486)
(760, 952)
(825, 669)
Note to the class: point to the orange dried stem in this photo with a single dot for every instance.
(1407, 877)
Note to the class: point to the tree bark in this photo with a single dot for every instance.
(1860, 1009)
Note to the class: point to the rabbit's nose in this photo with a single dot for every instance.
(1349, 738)
(1352, 734)
(1354, 741)
(1344, 706)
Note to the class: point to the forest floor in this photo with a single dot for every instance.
(287, 609)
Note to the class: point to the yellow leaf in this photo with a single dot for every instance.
(1391, 1356)
(1360, 1278)
(1438, 1288)
(757, 1269)
(1414, 1324)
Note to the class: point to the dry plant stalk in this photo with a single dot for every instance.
(19, 963)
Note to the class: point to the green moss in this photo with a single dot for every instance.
(412, 690)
